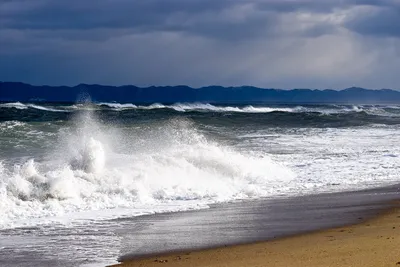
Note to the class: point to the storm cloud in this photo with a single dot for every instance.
(267, 43)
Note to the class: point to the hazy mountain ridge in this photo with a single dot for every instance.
(15, 91)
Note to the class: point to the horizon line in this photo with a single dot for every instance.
(201, 87)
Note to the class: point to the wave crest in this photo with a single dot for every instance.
(96, 168)
(181, 107)
(19, 105)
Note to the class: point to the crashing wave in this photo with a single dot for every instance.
(94, 168)
(19, 105)
(197, 107)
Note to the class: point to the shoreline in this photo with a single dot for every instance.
(235, 225)
(371, 242)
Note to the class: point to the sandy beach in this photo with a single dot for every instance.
(374, 242)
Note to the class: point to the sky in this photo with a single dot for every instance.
(266, 43)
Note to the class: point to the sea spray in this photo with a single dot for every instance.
(98, 162)
(158, 166)
(85, 144)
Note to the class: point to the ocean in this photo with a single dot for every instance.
(69, 171)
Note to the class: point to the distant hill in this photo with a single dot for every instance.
(14, 91)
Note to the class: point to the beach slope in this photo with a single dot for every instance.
(375, 242)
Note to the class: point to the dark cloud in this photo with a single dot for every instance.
(199, 42)
(63, 14)
(205, 17)
(382, 21)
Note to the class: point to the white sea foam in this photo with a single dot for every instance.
(19, 105)
(182, 107)
(7, 125)
(205, 107)
(44, 108)
(174, 165)
(119, 106)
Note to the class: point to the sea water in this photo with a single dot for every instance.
(68, 169)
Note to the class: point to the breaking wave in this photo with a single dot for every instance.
(377, 110)
(96, 168)
(19, 105)
(201, 107)
(197, 107)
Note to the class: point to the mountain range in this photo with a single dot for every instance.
(15, 91)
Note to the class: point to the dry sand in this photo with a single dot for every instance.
(374, 243)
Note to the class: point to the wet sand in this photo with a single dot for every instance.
(375, 242)
(237, 234)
